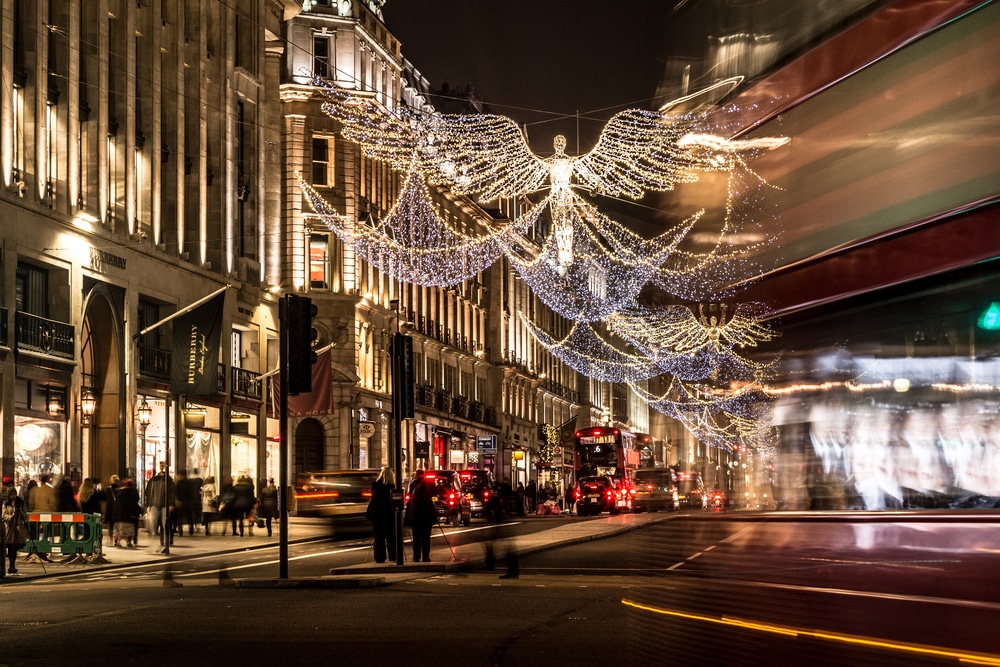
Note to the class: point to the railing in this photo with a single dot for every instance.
(154, 362)
(490, 417)
(220, 379)
(442, 400)
(460, 406)
(38, 334)
(426, 395)
(246, 384)
(476, 411)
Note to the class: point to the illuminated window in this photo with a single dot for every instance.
(319, 261)
(322, 161)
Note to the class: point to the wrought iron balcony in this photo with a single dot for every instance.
(154, 362)
(45, 336)
(247, 385)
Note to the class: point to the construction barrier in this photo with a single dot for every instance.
(77, 536)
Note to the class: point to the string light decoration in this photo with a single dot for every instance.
(414, 243)
(588, 268)
(717, 417)
(665, 341)
(595, 282)
(486, 155)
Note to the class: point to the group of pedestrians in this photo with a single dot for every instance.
(420, 515)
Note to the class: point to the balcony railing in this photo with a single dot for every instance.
(247, 385)
(220, 379)
(38, 334)
(442, 400)
(460, 406)
(490, 417)
(154, 362)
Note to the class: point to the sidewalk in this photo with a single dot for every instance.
(467, 557)
(149, 549)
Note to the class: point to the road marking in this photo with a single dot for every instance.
(693, 556)
(857, 640)
(675, 566)
(898, 597)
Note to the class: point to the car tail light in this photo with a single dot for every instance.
(486, 495)
(577, 494)
(366, 493)
(430, 476)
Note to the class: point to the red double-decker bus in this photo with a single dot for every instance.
(600, 451)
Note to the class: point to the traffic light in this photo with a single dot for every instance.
(402, 376)
(300, 336)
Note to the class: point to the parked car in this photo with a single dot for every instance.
(483, 494)
(654, 489)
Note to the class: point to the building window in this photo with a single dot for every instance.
(319, 261)
(322, 161)
(321, 57)
(236, 349)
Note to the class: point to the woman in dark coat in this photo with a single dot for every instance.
(269, 505)
(127, 511)
(382, 516)
(15, 533)
(243, 502)
(423, 516)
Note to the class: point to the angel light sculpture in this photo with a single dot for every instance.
(485, 156)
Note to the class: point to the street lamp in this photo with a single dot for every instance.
(144, 415)
(88, 404)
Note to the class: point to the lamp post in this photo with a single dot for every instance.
(143, 415)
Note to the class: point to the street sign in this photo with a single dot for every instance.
(366, 429)
(486, 444)
(557, 451)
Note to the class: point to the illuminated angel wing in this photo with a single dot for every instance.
(638, 152)
(484, 155)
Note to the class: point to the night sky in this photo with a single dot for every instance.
(538, 62)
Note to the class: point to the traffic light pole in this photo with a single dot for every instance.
(283, 490)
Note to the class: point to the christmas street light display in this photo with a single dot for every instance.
(414, 243)
(717, 417)
(486, 155)
(595, 282)
(588, 268)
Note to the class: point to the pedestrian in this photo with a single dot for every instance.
(195, 498)
(423, 515)
(109, 504)
(184, 504)
(243, 502)
(382, 516)
(42, 497)
(66, 496)
(91, 496)
(530, 497)
(160, 498)
(209, 504)
(127, 511)
(15, 533)
(519, 493)
(226, 507)
(269, 504)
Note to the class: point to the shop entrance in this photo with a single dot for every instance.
(101, 365)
